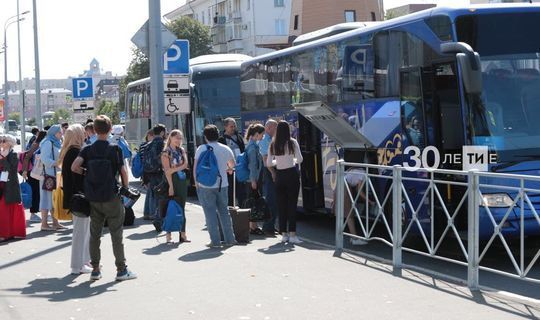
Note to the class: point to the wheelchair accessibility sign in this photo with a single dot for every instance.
(176, 94)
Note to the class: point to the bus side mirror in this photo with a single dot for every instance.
(469, 62)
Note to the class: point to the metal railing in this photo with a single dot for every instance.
(394, 216)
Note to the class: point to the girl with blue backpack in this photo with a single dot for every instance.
(254, 134)
(174, 160)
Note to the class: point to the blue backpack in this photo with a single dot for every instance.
(126, 152)
(137, 166)
(207, 168)
(174, 219)
(26, 194)
(242, 167)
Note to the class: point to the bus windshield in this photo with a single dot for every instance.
(215, 98)
(509, 49)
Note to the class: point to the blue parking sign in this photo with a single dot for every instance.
(83, 88)
(176, 60)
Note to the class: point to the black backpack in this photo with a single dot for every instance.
(152, 157)
(100, 183)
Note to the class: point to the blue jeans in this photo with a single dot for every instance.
(153, 199)
(269, 193)
(214, 203)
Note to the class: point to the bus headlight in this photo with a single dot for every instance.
(497, 200)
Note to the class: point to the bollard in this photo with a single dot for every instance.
(339, 207)
(396, 220)
(473, 212)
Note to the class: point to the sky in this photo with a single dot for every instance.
(73, 32)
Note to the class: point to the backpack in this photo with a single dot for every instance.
(174, 219)
(242, 167)
(26, 194)
(126, 152)
(22, 155)
(100, 183)
(137, 166)
(151, 157)
(207, 168)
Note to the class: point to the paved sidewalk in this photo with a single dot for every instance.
(262, 280)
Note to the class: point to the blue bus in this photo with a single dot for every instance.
(399, 83)
(215, 95)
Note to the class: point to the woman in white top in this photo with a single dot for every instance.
(284, 154)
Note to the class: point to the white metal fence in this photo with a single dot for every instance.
(384, 219)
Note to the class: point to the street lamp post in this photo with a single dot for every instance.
(9, 22)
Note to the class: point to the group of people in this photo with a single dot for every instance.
(70, 156)
(273, 161)
(90, 161)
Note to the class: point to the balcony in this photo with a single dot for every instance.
(219, 48)
(235, 16)
(235, 45)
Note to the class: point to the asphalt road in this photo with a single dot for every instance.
(262, 280)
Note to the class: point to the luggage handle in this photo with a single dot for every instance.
(234, 188)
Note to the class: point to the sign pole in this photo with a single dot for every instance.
(156, 62)
(37, 110)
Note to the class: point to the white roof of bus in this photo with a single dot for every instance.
(215, 58)
(328, 31)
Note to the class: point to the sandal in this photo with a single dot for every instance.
(59, 227)
(256, 231)
(184, 240)
(48, 228)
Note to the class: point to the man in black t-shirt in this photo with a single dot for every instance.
(101, 163)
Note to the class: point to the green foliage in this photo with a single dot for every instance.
(110, 109)
(61, 115)
(200, 43)
(198, 34)
(15, 116)
(31, 122)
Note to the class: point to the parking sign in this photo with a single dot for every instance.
(176, 60)
(83, 88)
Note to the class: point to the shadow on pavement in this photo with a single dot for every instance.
(277, 248)
(206, 254)
(35, 255)
(142, 236)
(58, 289)
(160, 248)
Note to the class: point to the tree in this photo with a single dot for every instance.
(61, 115)
(200, 43)
(110, 109)
(14, 116)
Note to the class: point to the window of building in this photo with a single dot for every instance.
(248, 4)
(350, 15)
(280, 27)
(202, 16)
(296, 22)
(373, 16)
(279, 3)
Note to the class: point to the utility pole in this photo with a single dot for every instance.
(156, 62)
(21, 94)
(39, 122)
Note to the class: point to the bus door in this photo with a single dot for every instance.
(309, 139)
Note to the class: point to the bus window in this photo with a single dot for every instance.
(412, 108)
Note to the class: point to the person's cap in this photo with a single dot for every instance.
(117, 129)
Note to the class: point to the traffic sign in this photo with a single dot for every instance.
(176, 60)
(82, 116)
(140, 39)
(82, 105)
(176, 83)
(83, 88)
(2, 117)
(176, 103)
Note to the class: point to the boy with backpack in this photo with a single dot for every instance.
(101, 163)
(212, 163)
(153, 172)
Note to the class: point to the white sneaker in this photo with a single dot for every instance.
(34, 218)
(86, 269)
(284, 238)
(358, 242)
(295, 240)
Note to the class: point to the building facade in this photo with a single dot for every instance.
(51, 100)
(408, 9)
(251, 27)
(311, 15)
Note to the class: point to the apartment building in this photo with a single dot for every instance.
(251, 27)
(311, 15)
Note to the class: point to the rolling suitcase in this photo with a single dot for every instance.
(240, 218)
